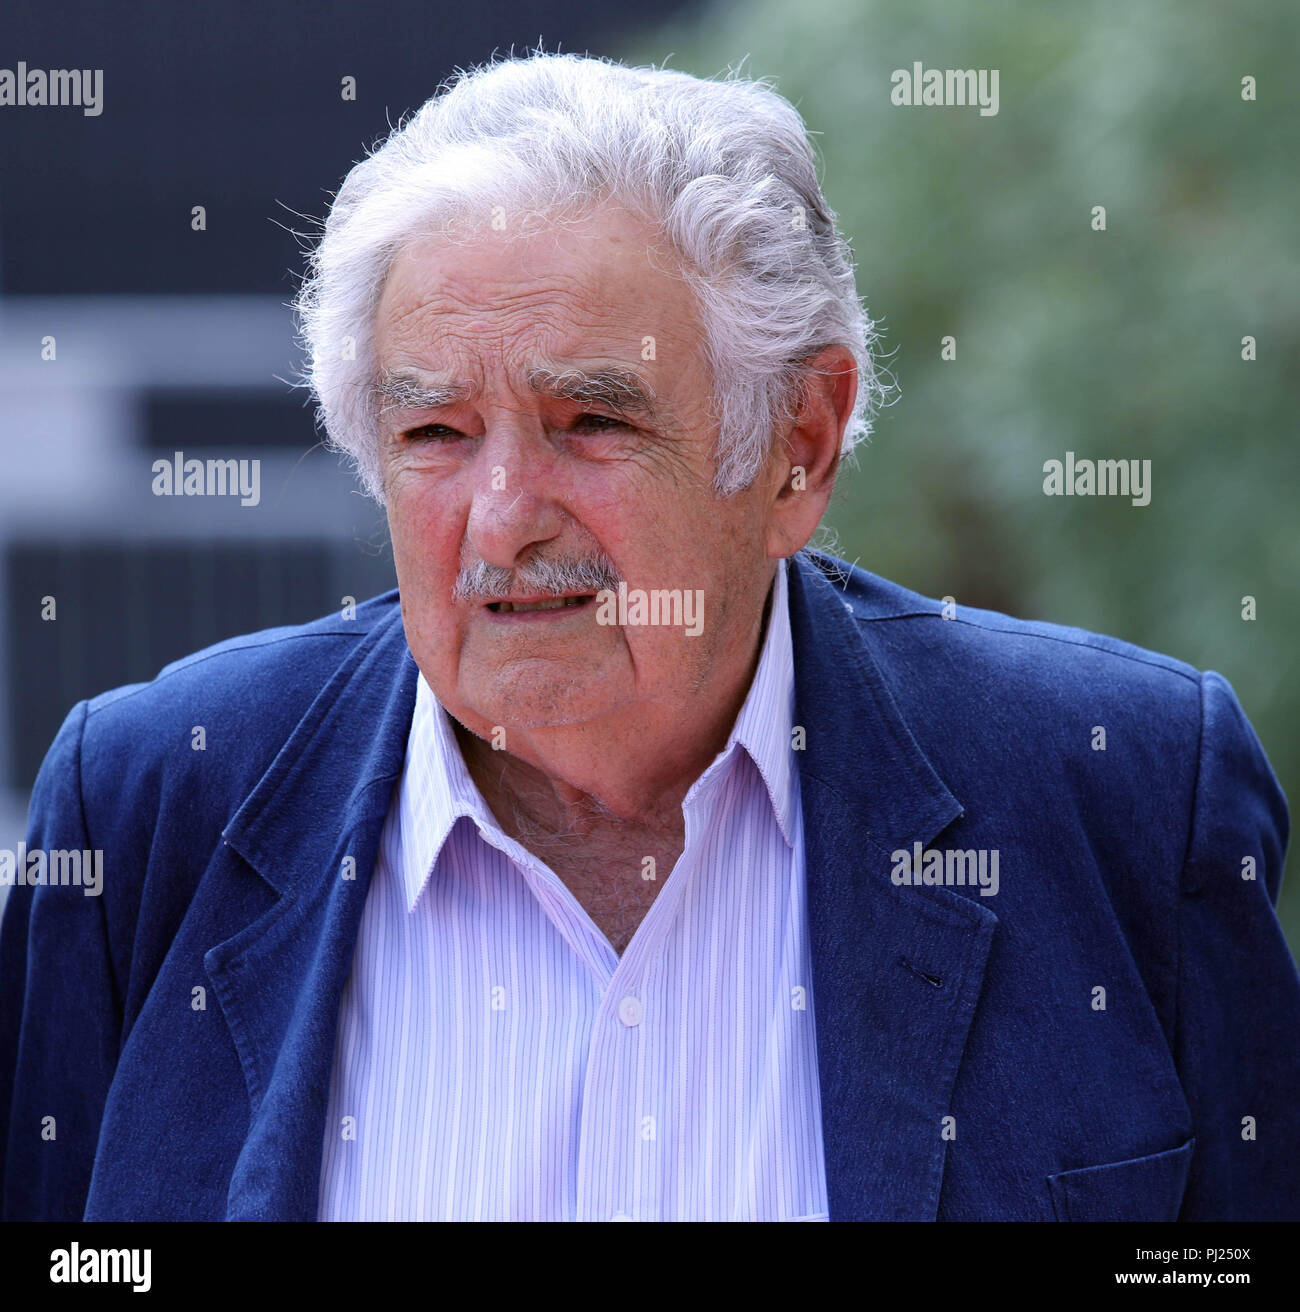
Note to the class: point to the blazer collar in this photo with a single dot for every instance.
(344, 755)
(861, 748)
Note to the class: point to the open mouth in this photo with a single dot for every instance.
(542, 603)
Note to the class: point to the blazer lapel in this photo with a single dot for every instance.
(896, 970)
(311, 829)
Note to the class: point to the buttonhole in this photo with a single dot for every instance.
(929, 979)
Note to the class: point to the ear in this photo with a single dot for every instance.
(806, 455)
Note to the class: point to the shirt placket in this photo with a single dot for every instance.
(618, 1119)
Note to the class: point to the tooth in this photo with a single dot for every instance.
(534, 605)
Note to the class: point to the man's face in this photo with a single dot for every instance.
(514, 472)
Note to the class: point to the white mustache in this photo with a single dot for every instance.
(556, 577)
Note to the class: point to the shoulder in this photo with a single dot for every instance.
(1137, 747)
(208, 725)
(271, 673)
(971, 666)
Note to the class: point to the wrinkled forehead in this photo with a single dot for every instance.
(606, 263)
(597, 296)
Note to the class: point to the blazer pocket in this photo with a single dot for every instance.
(1140, 1189)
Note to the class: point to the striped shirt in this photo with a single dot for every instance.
(496, 1058)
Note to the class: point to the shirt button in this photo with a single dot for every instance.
(629, 1011)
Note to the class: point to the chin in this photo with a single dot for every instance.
(523, 707)
(522, 715)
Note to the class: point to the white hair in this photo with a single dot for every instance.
(721, 168)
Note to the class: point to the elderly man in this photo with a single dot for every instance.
(634, 862)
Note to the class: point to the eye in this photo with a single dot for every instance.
(591, 422)
(431, 433)
(604, 422)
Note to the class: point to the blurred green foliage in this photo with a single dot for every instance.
(1118, 344)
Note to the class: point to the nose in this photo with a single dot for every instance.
(513, 506)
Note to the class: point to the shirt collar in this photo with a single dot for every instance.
(765, 724)
(437, 790)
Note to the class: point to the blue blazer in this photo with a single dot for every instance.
(166, 1047)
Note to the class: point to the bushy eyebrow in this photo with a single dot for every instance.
(620, 389)
(616, 387)
(406, 392)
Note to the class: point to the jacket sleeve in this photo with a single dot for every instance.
(60, 1010)
(1238, 1018)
